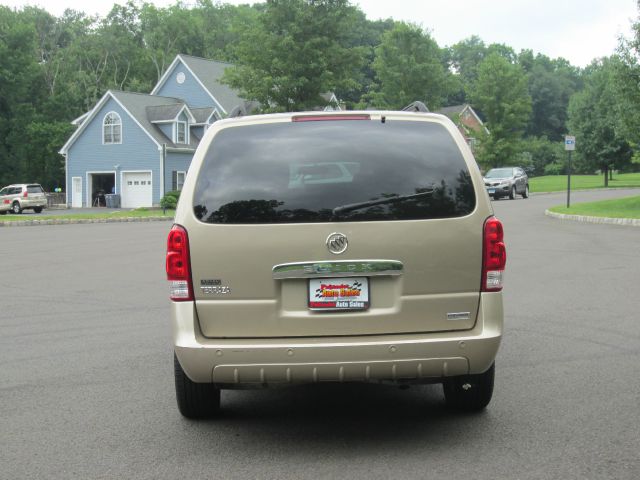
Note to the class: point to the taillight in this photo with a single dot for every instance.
(494, 256)
(25, 194)
(178, 265)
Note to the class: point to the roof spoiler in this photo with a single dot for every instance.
(416, 107)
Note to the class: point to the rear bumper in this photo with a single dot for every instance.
(34, 203)
(401, 358)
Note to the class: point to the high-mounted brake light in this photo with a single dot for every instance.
(327, 118)
(178, 265)
(494, 256)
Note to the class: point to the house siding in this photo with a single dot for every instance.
(137, 152)
(190, 90)
(469, 119)
(178, 162)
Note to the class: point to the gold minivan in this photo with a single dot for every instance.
(334, 247)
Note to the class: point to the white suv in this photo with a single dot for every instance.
(19, 197)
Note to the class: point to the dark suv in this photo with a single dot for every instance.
(507, 181)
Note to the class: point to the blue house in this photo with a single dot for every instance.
(140, 146)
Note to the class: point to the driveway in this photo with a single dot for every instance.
(87, 382)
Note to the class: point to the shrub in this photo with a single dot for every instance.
(554, 168)
(174, 193)
(168, 202)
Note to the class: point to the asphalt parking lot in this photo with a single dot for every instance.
(86, 384)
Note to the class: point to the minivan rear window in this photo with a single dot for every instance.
(333, 171)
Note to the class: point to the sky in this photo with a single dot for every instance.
(577, 30)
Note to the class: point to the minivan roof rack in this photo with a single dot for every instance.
(416, 107)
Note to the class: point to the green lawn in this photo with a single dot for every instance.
(628, 207)
(87, 216)
(558, 183)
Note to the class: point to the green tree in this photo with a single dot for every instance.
(593, 120)
(538, 152)
(367, 35)
(40, 142)
(627, 84)
(551, 83)
(222, 26)
(500, 93)
(297, 51)
(465, 57)
(409, 66)
(167, 32)
(20, 86)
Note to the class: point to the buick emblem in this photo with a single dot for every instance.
(337, 243)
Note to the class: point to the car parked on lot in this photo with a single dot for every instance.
(507, 182)
(22, 196)
(334, 247)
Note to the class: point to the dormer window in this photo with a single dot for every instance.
(181, 132)
(111, 129)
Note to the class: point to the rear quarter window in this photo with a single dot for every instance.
(34, 189)
(333, 171)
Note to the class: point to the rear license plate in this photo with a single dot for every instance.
(350, 293)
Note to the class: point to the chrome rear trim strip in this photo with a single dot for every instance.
(342, 268)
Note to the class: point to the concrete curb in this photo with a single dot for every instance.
(76, 221)
(629, 222)
(580, 190)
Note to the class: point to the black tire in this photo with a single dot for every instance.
(469, 393)
(525, 194)
(16, 208)
(195, 400)
(37, 209)
(512, 193)
(4, 212)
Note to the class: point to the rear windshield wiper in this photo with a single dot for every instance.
(370, 203)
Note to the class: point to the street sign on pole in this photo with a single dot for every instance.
(569, 146)
(569, 142)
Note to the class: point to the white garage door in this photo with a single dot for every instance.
(136, 190)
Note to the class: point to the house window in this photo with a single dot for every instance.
(181, 132)
(177, 180)
(112, 128)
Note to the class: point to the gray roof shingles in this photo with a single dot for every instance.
(164, 113)
(138, 104)
(209, 73)
(201, 114)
